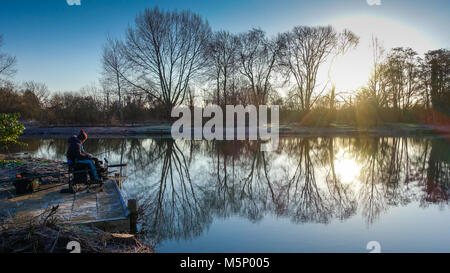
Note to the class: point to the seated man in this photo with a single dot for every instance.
(82, 160)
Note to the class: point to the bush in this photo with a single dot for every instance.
(10, 129)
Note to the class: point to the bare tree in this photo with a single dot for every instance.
(114, 71)
(424, 78)
(304, 50)
(257, 56)
(222, 54)
(40, 90)
(403, 75)
(437, 70)
(164, 52)
(377, 87)
(7, 63)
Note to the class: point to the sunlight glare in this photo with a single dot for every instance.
(350, 71)
(346, 167)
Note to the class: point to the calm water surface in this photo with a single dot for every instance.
(311, 195)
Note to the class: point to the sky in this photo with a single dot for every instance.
(59, 42)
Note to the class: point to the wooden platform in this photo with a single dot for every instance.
(100, 205)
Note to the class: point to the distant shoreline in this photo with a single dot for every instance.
(284, 130)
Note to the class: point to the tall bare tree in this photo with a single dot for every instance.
(437, 67)
(164, 51)
(222, 54)
(257, 56)
(304, 50)
(403, 74)
(114, 71)
(7, 62)
(377, 82)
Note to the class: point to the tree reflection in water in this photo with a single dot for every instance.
(171, 204)
(182, 186)
(437, 183)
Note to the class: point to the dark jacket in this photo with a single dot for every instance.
(75, 151)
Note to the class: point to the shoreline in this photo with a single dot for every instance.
(284, 130)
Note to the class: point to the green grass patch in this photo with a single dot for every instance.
(403, 124)
(10, 164)
(341, 125)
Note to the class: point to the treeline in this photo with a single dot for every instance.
(87, 106)
(404, 86)
(169, 58)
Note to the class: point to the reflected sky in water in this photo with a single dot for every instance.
(311, 195)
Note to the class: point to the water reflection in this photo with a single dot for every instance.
(182, 186)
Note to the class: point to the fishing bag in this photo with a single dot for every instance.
(26, 185)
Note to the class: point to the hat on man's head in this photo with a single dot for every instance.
(82, 135)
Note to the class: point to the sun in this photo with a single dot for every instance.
(349, 72)
(347, 169)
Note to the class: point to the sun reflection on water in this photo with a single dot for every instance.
(347, 169)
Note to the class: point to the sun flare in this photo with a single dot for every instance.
(350, 71)
(346, 167)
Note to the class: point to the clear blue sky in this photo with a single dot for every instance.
(60, 44)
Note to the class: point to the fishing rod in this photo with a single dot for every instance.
(59, 174)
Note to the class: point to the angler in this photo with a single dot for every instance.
(79, 160)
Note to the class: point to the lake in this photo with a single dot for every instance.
(333, 194)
